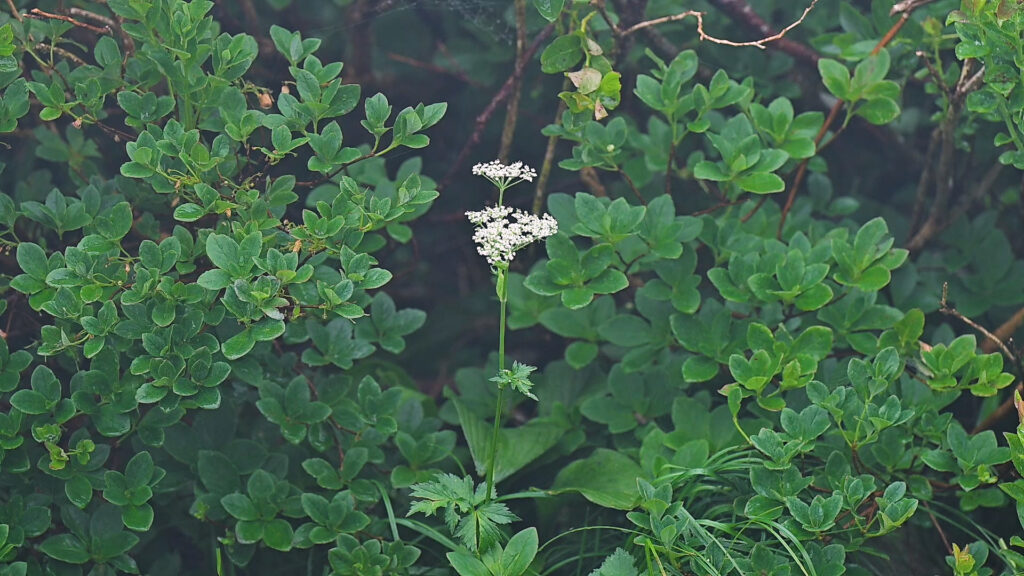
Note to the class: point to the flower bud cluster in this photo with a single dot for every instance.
(502, 231)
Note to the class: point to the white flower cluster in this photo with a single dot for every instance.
(489, 214)
(502, 231)
(504, 176)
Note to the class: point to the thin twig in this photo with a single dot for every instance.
(718, 207)
(668, 167)
(603, 11)
(81, 13)
(746, 218)
(362, 42)
(1004, 332)
(592, 181)
(503, 93)
(1005, 409)
(632, 186)
(41, 15)
(950, 311)
(664, 45)
(127, 42)
(945, 176)
(508, 130)
(381, 6)
(623, 10)
(942, 533)
(58, 50)
(117, 135)
(801, 170)
(740, 11)
(433, 68)
(540, 191)
(832, 115)
(699, 16)
(1001, 335)
(982, 189)
(252, 25)
(935, 74)
(14, 11)
(907, 6)
(330, 175)
(664, 20)
(455, 65)
(891, 33)
(925, 181)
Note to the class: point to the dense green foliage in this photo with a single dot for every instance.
(748, 356)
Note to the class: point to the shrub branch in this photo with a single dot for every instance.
(41, 15)
(801, 170)
(508, 131)
(503, 94)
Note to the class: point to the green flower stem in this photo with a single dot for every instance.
(503, 299)
(494, 445)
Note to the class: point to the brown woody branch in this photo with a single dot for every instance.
(508, 131)
(114, 23)
(1005, 409)
(832, 115)
(629, 12)
(950, 311)
(58, 50)
(938, 528)
(738, 9)
(993, 341)
(14, 11)
(632, 186)
(361, 42)
(251, 19)
(592, 181)
(699, 16)
(501, 96)
(907, 6)
(945, 176)
(540, 191)
(1004, 332)
(741, 12)
(925, 182)
(87, 15)
(41, 15)
(433, 68)
(981, 190)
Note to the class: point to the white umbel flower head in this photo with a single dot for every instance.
(502, 231)
(504, 176)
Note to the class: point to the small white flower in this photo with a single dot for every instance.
(504, 176)
(499, 237)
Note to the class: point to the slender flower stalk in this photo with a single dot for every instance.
(492, 453)
(501, 232)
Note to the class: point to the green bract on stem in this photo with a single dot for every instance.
(502, 231)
